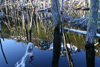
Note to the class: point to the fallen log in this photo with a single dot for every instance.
(80, 8)
(86, 8)
(80, 32)
(43, 10)
(77, 22)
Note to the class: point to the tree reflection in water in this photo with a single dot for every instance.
(27, 24)
(1, 36)
(3, 52)
(56, 47)
(90, 56)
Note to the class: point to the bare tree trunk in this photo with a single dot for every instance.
(91, 33)
(24, 24)
(0, 2)
(57, 34)
(23, 21)
(89, 3)
(85, 2)
(61, 4)
(22, 3)
(55, 11)
(30, 1)
(92, 23)
(15, 18)
(31, 24)
(48, 3)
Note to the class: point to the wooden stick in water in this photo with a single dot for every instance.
(3, 52)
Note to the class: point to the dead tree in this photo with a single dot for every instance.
(22, 3)
(92, 23)
(31, 24)
(24, 23)
(56, 16)
(91, 33)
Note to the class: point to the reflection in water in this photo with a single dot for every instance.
(28, 53)
(34, 65)
(3, 52)
(31, 59)
(30, 28)
(69, 50)
(90, 57)
(45, 45)
(70, 60)
(1, 43)
(56, 47)
(24, 24)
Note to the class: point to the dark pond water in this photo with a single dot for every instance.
(14, 51)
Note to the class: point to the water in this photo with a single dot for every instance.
(14, 51)
(20, 31)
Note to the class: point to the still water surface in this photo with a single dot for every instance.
(19, 24)
(14, 51)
